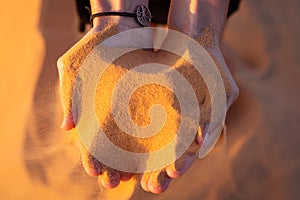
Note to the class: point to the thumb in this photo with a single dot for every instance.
(66, 87)
(68, 66)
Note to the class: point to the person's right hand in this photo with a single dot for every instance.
(68, 66)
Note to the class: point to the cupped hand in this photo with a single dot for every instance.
(156, 181)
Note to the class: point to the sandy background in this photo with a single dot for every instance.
(260, 161)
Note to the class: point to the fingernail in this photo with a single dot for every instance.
(110, 180)
(93, 171)
(199, 140)
(126, 176)
(68, 123)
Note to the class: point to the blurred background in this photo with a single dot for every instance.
(260, 160)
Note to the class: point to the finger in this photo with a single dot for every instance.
(125, 176)
(68, 122)
(144, 181)
(158, 182)
(201, 132)
(210, 141)
(181, 165)
(109, 179)
(90, 164)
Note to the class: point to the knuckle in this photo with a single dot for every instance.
(233, 93)
(67, 63)
(59, 63)
(61, 67)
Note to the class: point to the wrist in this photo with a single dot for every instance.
(123, 23)
(116, 5)
(196, 18)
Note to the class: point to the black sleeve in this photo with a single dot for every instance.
(83, 11)
(159, 10)
(233, 7)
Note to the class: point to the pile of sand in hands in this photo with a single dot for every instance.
(140, 103)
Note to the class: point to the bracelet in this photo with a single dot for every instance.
(142, 15)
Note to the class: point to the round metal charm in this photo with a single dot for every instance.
(143, 15)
